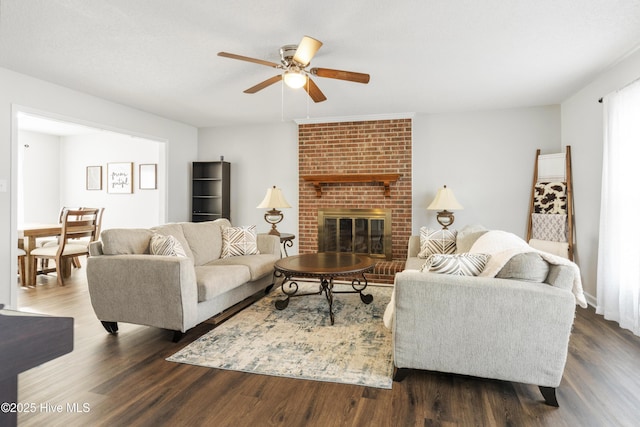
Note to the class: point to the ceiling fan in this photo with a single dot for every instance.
(294, 60)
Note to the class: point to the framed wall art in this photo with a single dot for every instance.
(120, 178)
(148, 176)
(94, 177)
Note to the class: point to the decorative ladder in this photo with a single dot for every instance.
(551, 198)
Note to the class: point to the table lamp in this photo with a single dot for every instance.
(272, 201)
(444, 202)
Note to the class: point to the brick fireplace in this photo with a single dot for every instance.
(369, 165)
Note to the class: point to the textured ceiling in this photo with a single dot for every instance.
(424, 56)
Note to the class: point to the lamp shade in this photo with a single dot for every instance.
(445, 200)
(273, 200)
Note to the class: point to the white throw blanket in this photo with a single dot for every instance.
(502, 246)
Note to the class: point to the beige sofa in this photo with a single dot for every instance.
(129, 284)
(501, 327)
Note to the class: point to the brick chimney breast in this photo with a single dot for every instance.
(363, 147)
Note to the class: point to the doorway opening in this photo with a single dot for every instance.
(51, 162)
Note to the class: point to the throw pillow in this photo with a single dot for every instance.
(166, 245)
(457, 264)
(468, 236)
(238, 241)
(436, 242)
(528, 266)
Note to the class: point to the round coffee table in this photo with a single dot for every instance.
(324, 266)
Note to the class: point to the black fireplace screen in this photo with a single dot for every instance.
(360, 231)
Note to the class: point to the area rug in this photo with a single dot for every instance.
(300, 342)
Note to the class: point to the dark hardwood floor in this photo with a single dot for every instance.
(124, 380)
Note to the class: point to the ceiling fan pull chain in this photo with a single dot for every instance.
(307, 97)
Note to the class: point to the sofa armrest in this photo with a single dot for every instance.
(413, 247)
(95, 248)
(269, 244)
(151, 290)
(485, 327)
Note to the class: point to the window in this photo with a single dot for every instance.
(618, 283)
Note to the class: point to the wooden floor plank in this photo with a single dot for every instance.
(125, 380)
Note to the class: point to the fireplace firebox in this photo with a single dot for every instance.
(358, 231)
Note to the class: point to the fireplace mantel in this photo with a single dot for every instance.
(383, 178)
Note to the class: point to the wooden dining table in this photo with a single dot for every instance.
(28, 234)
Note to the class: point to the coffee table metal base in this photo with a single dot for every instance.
(325, 266)
(290, 289)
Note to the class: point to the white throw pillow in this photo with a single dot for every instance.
(238, 241)
(457, 264)
(166, 245)
(436, 242)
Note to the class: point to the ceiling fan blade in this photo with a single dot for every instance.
(246, 58)
(306, 50)
(264, 84)
(314, 91)
(341, 75)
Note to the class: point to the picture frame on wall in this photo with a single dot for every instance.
(148, 176)
(120, 178)
(94, 177)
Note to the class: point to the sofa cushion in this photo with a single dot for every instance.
(528, 266)
(125, 241)
(165, 245)
(560, 276)
(205, 240)
(436, 242)
(468, 236)
(413, 263)
(457, 264)
(259, 265)
(238, 241)
(214, 280)
(175, 230)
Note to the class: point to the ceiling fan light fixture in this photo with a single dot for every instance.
(294, 72)
(295, 79)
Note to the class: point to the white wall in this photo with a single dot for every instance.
(53, 172)
(582, 128)
(138, 209)
(486, 158)
(21, 92)
(261, 156)
(39, 167)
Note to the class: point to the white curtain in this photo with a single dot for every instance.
(618, 283)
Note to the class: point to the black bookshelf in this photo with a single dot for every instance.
(210, 191)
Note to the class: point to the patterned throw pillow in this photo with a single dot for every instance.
(165, 245)
(238, 241)
(550, 197)
(550, 227)
(437, 242)
(457, 264)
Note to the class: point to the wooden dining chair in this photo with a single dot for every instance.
(76, 224)
(53, 241)
(85, 241)
(21, 269)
